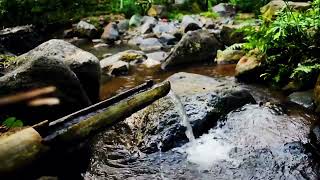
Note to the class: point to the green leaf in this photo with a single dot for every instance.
(9, 122)
(12, 122)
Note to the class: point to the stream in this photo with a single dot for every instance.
(186, 136)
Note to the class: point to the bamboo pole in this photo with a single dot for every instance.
(22, 148)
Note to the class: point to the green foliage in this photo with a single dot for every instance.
(12, 122)
(210, 14)
(291, 42)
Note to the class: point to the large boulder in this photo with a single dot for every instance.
(224, 9)
(20, 39)
(84, 64)
(157, 11)
(85, 29)
(194, 47)
(204, 101)
(42, 71)
(190, 23)
(110, 33)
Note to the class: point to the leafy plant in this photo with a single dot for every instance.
(12, 122)
(291, 43)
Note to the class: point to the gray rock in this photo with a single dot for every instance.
(148, 24)
(135, 20)
(165, 27)
(304, 99)
(194, 47)
(110, 33)
(78, 41)
(159, 56)
(224, 9)
(115, 68)
(135, 41)
(84, 64)
(168, 39)
(123, 26)
(118, 64)
(100, 46)
(190, 23)
(204, 99)
(150, 44)
(41, 71)
(85, 29)
(20, 39)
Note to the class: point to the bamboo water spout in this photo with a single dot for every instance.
(20, 149)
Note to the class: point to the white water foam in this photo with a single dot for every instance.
(209, 149)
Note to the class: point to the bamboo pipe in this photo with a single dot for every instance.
(22, 148)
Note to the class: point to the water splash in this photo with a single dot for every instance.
(183, 115)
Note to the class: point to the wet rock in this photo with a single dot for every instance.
(229, 35)
(229, 56)
(148, 24)
(168, 39)
(317, 95)
(118, 64)
(110, 33)
(100, 46)
(157, 11)
(115, 68)
(210, 25)
(253, 142)
(165, 27)
(194, 47)
(69, 33)
(304, 99)
(135, 20)
(41, 71)
(150, 44)
(190, 23)
(159, 56)
(204, 99)
(249, 66)
(224, 9)
(20, 39)
(149, 63)
(135, 41)
(123, 26)
(84, 64)
(85, 29)
(79, 41)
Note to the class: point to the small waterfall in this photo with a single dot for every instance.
(183, 115)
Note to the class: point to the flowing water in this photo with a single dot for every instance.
(258, 141)
(183, 115)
